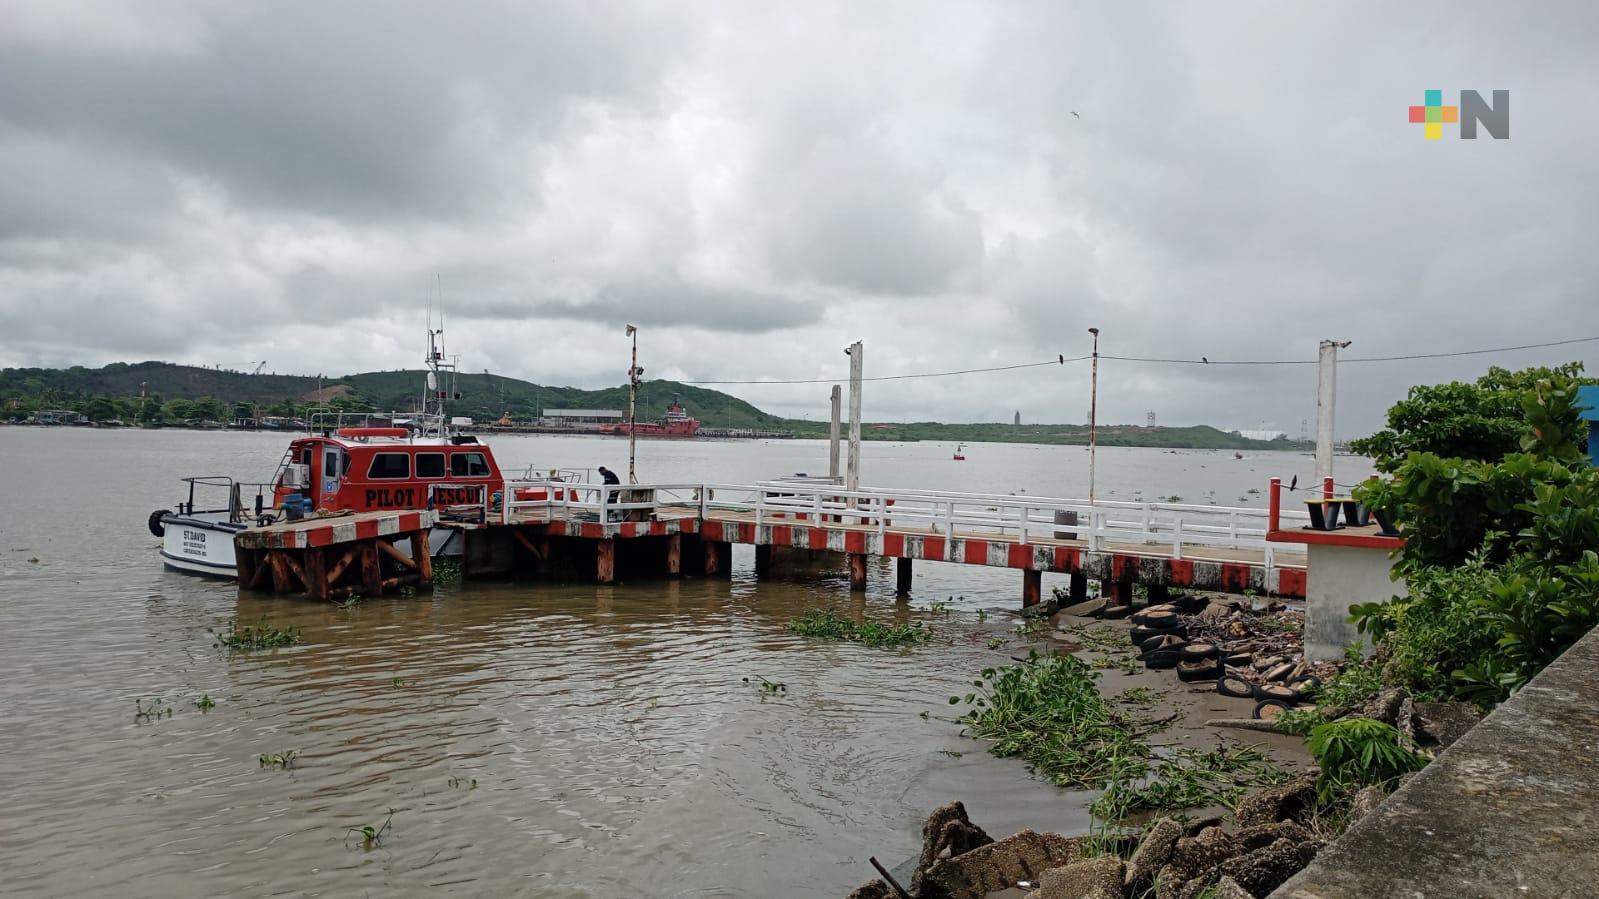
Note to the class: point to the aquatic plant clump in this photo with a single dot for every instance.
(257, 636)
(446, 571)
(1190, 778)
(1048, 712)
(829, 625)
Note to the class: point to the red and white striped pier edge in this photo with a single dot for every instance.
(317, 532)
(593, 530)
(1113, 565)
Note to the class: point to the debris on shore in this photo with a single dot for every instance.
(1274, 833)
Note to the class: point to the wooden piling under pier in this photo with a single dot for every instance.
(338, 557)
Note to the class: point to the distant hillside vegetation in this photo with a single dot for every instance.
(485, 397)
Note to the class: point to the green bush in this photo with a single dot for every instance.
(1359, 752)
(1499, 549)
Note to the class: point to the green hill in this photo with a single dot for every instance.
(193, 393)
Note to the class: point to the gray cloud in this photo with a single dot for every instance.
(762, 185)
(672, 303)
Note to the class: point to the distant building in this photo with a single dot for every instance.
(594, 417)
(1260, 434)
(58, 417)
(1018, 421)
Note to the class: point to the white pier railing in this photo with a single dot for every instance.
(1023, 518)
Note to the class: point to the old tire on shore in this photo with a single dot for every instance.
(1161, 617)
(1234, 686)
(1162, 658)
(1276, 693)
(1200, 652)
(1114, 613)
(1269, 710)
(1162, 641)
(1304, 686)
(1190, 604)
(1205, 669)
(156, 527)
(1140, 633)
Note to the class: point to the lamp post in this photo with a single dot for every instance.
(633, 371)
(1093, 403)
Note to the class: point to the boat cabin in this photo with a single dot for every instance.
(365, 469)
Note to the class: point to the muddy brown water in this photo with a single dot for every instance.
(532, 739)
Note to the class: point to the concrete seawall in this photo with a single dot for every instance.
(1511, 810)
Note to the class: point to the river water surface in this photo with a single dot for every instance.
(532, 739)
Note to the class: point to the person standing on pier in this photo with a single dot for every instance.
(609, 477)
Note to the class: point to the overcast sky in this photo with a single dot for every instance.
(756, 185)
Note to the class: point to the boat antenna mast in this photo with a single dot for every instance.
(438, 365)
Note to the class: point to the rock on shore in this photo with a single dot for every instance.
(1271, 843)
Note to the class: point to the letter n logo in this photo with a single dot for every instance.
(1495, 118)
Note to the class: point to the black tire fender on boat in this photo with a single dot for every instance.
(1161, 658)
(1234, 686)
(156, 527)
(1269, 704)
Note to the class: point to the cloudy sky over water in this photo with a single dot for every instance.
(757, 185)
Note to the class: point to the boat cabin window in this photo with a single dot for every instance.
(430, 465)
(468, 465)
(389, 466)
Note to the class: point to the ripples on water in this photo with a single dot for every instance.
(614, 747)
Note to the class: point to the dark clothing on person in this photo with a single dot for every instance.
(609, 476)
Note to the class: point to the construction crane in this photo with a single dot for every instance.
(258, 366)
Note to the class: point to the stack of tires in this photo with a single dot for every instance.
(1162, 641)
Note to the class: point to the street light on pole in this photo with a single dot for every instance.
(1093, 404)
(633, 371)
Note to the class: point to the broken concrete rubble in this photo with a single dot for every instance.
(1094, 878)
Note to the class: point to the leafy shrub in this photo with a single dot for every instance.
(1359, 752)
(1483, 421)
(1499, 534)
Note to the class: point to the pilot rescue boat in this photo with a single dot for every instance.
(348, 463)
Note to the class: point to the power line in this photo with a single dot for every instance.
(1202, 360)
(1348, 359)
(1059, 360)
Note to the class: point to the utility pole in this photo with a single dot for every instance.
(1093, 413)
(832, 434)
(633, 371)
(857, 356)
(1326, 394)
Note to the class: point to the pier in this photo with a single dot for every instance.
(338, 556)
(612, 532)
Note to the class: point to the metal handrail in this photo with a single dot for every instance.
(1021, 515)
